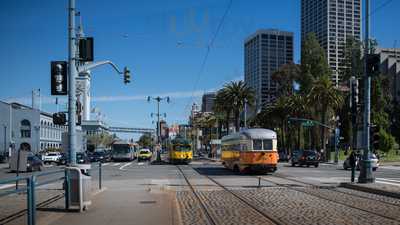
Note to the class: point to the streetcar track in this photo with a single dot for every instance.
(326, 198)
(18, 214)
(240, 198)
(335, 190)
(206, 213)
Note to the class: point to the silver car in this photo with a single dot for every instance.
(373, 158)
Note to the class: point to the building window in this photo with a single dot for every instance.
(25, 129)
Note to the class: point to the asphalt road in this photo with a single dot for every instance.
(324, 174)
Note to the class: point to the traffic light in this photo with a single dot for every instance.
(127, 75)
(78, 112)
(59, 118)
(374, 137)
(59, 78)
(373, 63)
(86, 49)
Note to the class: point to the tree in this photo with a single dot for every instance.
(313, 63)
(386, 141)
(223, 109)
(237, 93)
(145, 140)
(325, 99)
(352, 64)
(100, 140)
(285, 76)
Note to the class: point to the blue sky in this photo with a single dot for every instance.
(162, 42)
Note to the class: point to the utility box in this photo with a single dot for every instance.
(19, 160)
(80, 183)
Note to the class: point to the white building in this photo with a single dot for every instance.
(333, 21)
(23, 127)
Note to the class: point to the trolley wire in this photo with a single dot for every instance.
(209, 46)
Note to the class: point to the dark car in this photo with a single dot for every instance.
(34, 163)
(100, 156)
(62, 160)
(82, 158)
(305, 157)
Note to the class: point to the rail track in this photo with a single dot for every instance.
(330, 199)
(233, 194)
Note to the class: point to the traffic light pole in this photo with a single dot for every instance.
(72, 74)
(366, 175)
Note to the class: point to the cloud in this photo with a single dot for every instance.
(117, 98)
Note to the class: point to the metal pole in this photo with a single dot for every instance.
(158, 120)
(5, 140)
(245, 113)
(72, 73)
(366, 170)
(100, 175)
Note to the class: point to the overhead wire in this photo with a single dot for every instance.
(209, 46)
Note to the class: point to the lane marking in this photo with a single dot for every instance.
(383, 182)
(116, 164)
(141, 163)
(48, 166)
(384, 179)
(105, 164)
(4, 186)
(125, 165)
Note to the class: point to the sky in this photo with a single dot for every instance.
(163, 42)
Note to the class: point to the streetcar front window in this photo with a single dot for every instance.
(267, 144)
(183, 148)
(257, 144)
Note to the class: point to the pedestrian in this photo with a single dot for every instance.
(352, 161)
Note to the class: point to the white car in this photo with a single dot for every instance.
(374, 163)
(51, 157)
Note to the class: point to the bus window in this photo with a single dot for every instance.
(267, 144)
(257, 144)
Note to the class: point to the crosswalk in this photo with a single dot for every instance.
(123, 166)
(390, 181)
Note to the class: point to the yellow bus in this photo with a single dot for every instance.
(250, 150)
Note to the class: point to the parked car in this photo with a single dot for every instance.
(374, 162)
(144, 154)
(34, 163)
(51, 157)
(305, 157)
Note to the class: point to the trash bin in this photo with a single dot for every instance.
(80, 187)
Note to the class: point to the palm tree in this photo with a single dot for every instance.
(223, 109)
(326, 99)
(237, 93)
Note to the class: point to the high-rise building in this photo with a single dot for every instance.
(332, 21)
(207, 102)
(390, 66)
(264, 52)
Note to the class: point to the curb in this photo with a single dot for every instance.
(370, 190)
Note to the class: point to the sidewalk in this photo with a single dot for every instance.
(375, 188)
(120, 203)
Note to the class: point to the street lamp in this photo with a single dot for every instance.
(158, 99)
(73, 70)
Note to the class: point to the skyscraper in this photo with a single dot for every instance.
(332, 21)
(264, 52)
(207, 104)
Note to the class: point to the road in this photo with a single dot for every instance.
(290, 188)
